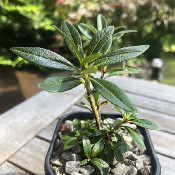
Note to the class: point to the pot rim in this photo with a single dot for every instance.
(150, 151)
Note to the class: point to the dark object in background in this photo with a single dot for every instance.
(157, 64)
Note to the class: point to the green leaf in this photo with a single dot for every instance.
(103, 103)
(119, 28)
(112, 93)
(91, 58)
(123, 72)
(99, 40)
(120, 55)
(100, 164)
(92, 132)
(70, 142)
(108, 154)
(90, 70)
(76, 125)
(84, 32)
(123, 67)
(118, 155)
(117, 109)
(101, 22)
(85, 106)
(147, 124)
(86, 146)
(123, 147)
(116, 122)
(43, 57)
(121, 33)
(74, 47)
(73, 35)
(84, 162)
(59, 84)
(136, 136)
(89, 27)
(97, 148)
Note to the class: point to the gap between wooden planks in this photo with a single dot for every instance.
(36, 149)
(23, 122)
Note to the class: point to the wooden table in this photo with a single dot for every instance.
(26, 130)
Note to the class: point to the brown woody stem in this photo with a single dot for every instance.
(92, 102)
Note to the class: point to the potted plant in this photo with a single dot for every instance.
(101, 141)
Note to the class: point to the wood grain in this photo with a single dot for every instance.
(31, 157)
(163, 142)
(47, 132)
(23, 122)
(145, 88)
(167, 165)
(9, 169)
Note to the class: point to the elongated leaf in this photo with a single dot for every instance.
(119, 28)
(101, 22)
(86, 146)
(120, 55)
(84, 32)
(84, 162)
(97, 148)
(92, 57)
(85, 106)
(92, 133)
(116, 122)
(59, 84)
(43, 57)
(118, 155)
(121, 33)
(70, 142)
(108, 154)
(117, 109)
(123, 67)
(107, 46)
(99, 40)
(112, 93)
(147, 124)
(89, 27)
(74, 47)
(123, 72)
(100, 164)
(73, 35)
(76, 125)
(136, 136)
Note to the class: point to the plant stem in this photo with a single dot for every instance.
(92, 102)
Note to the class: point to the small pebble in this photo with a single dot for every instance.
(72, 166)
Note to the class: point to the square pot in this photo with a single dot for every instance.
(150, 151)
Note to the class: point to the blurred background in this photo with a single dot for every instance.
(29, 23)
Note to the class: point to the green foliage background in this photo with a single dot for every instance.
(29, 23)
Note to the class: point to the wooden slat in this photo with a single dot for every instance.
(152, 104)
(47, 132)
(165, 120)
(9, 169)
(145, 88)
(23, 122)
(167, 165)
(32, 156)
(163, 142)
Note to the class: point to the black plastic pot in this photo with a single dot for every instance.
(150, 151)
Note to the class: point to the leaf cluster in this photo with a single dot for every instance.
(101, 142)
